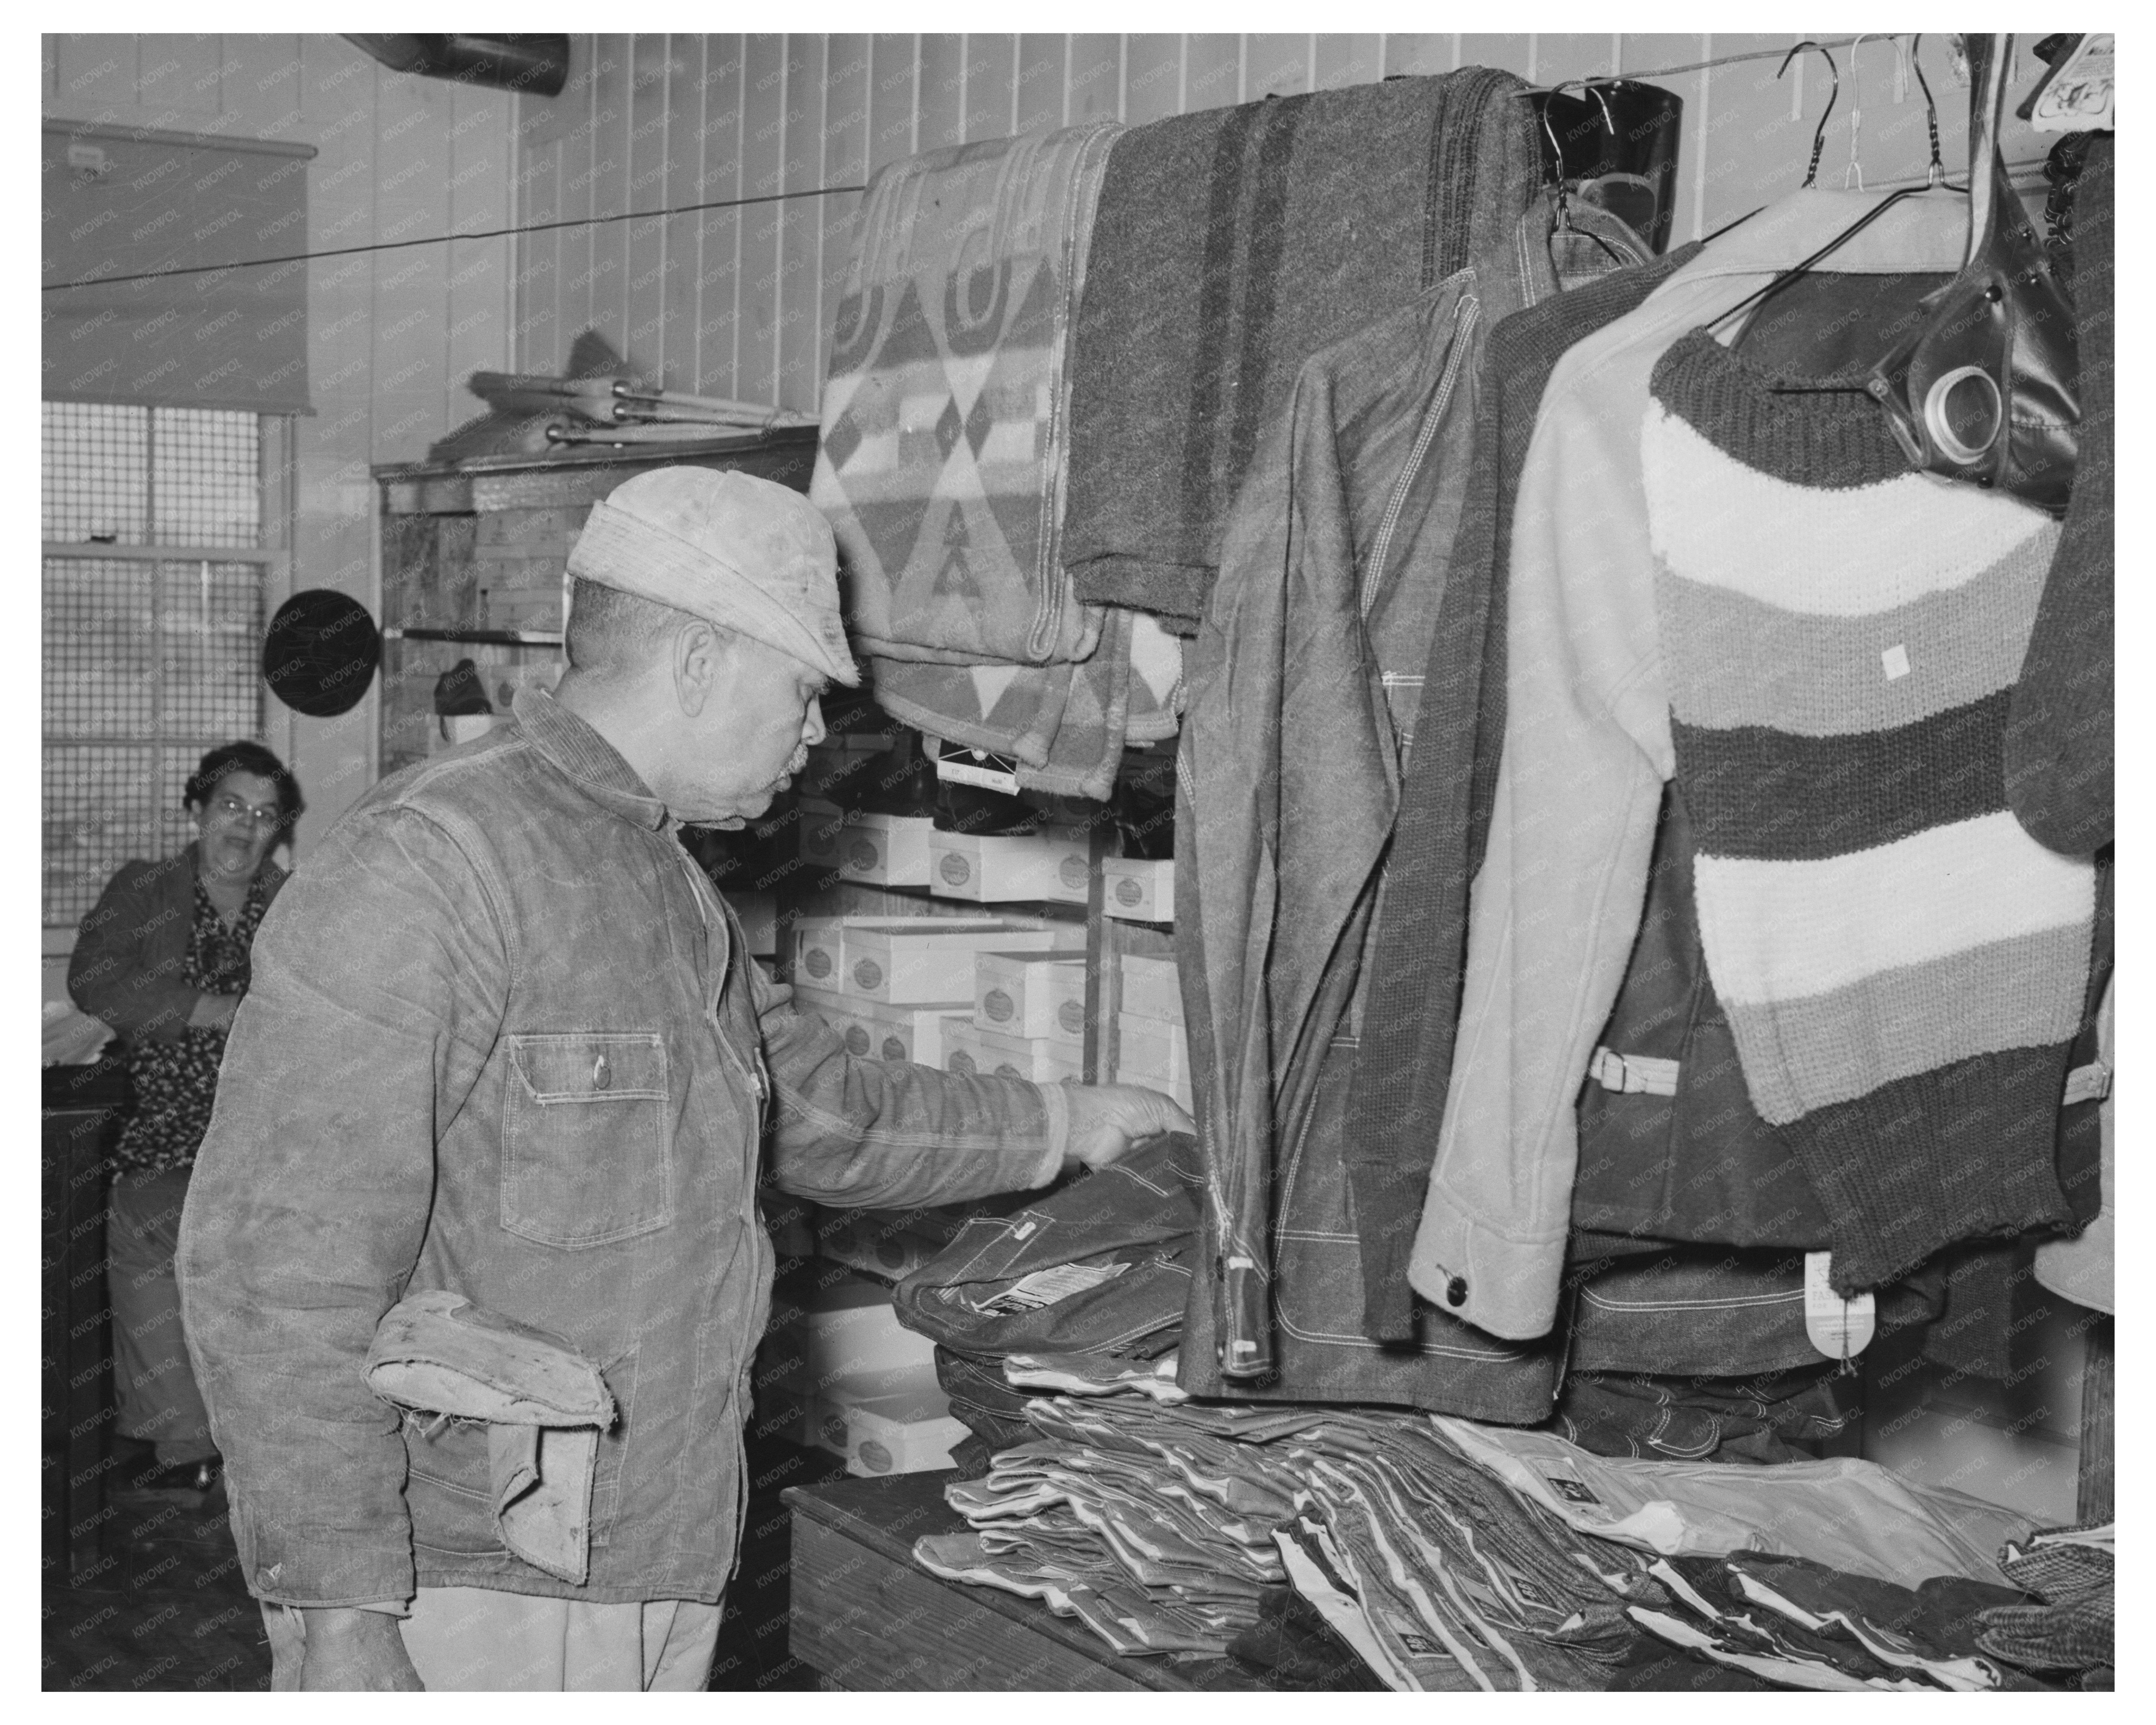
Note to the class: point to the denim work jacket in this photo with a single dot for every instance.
(505, 1040)
(1305, 683)
(132, 947)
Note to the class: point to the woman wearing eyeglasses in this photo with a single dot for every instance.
(163, 960)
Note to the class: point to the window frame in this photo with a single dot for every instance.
(275, 478)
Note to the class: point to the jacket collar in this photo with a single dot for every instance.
(586, 758)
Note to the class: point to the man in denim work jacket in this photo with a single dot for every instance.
(504, 1040)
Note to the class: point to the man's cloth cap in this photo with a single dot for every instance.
(743, 553)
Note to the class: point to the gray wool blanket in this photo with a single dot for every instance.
(1227, 246)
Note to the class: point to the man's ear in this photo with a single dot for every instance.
(699, 665)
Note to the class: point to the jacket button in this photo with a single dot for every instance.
(602, 1073)
(1455, 1291)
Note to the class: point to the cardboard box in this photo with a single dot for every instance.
(885, 849)
(845, 1338)
(901, 1033)
(758, 912)
(819, 957)
(930, 960)
(912, 1432)
(822, 833)
(1054, 863)
(1138, 890)
(1151, 989)
(1031, 995)
(1148, 1045)
(895, 1434)
(969, 1048)
(866, 1241)
(835, 1009)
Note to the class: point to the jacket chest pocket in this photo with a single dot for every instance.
(587, 1137)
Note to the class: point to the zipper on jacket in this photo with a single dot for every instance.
(1468, 313)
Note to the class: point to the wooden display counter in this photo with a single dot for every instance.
(866, 1617)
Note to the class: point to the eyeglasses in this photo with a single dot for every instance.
(268, 814)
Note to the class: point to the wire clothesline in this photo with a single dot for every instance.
(722, 203)
(392, 245)
(1727, 59)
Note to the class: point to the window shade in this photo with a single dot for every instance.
(123, 201)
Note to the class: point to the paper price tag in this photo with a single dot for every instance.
(2079, 92)
(1839, 1328)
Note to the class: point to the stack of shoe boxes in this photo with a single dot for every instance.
(853, 1381)
(1151, 1047)
(1028, 1017)
(892, 986)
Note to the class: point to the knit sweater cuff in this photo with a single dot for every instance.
(1963, 1152)
(1386, 1201)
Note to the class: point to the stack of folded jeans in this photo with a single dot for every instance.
(1160, 1524)
(1803, 1625)
(1156, 1551)
(1442, 1576)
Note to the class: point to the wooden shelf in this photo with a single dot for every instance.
(483, 637)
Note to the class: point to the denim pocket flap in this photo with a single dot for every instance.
(590, 1065)
(587, 1137)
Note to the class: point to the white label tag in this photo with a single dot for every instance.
(1839, 1328)
(1896, 660)
(977, 767)
(1048, 1287)
(2077, 93)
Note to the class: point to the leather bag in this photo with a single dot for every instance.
(1988, 388)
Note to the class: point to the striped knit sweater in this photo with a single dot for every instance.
(1902, 966)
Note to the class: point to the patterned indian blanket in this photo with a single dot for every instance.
(945, 410)
(1064, 724)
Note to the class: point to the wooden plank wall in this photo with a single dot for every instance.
(737, 302)
(391, 335)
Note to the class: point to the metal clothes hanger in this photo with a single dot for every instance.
(1936, 174)
(1856, 167)
(1563, 222)
(1935, 178)
(1819, 137)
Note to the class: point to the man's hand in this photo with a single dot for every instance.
(1106, 1119)
(348, 1647)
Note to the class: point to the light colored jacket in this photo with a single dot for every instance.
(1587, 750)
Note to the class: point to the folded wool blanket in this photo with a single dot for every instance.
(1065, 723)
(1229, 247)
(944, 410)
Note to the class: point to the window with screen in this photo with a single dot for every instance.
(155, 560)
